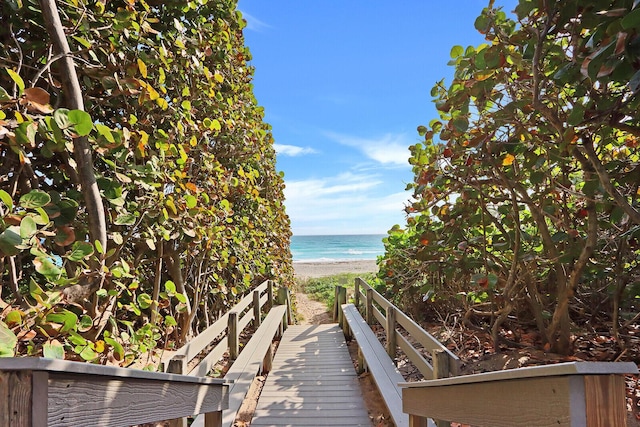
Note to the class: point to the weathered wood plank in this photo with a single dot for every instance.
(605, 400)
(75, 400)
(539, 402)
(383, 371)
(312, 380)
(570, 368)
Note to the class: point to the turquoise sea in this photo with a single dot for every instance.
(337, 248)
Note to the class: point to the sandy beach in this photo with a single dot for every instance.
(321, 269)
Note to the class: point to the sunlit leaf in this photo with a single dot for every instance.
(16, 79)
(8, 341)
(53, 349)
(508, 160)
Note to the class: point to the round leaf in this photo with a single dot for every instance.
(82, 122)
(80, 251)
(144, 301)
(53, 349)
(34, 199)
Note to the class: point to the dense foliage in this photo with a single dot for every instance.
(526, 187)
(170, 150)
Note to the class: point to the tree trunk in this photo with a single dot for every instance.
(81, 147)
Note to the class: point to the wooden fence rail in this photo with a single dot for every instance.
(575, 394)
(377, 308)
(39, 392)
(224, 336)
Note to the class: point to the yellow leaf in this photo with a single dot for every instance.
(142, 67)
(193, 141)
(218, 77)
(508, 160)
(162, 103)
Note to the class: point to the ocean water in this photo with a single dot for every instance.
(337, 248)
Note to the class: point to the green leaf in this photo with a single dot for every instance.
(9, 239)
(106, 132)
(66, 318)
(61, 117)
(461, 124)
(8, 341)
(4, 96)
(631, 20)
(126, 219)
(28, 227)
(80, 251)
(35, 199)
(170, 287)
(87, 353)
(16, 79)
(46, 267)
(82, 122)
(482, 23)
(456, 51)
(53, 349)
(191, 201)
(118, 350)
(6, 199)
(144, 301)
(82, 41)
(86, 323)
(170, 321)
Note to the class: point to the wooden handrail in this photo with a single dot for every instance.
(589, 394)
(43, 392)
(375, 302)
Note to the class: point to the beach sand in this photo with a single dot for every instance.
(321, 269)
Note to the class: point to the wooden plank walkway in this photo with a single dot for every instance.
(312, 382)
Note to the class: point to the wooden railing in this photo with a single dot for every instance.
(590, 394)
(39, 392)
(377, 308)
(224, 336)
(585, 394)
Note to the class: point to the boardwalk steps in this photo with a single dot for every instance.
(312, 382)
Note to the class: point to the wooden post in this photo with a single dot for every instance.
(356, 297)
(416, 421)
(267, 361)
(270, 293)
(361, 363)
(213, 419)
(335, 303)
(232, 335)
(440, 360)
(256, 309)
(178, 365)
(341, 298)
(283, 298)
(605, 400)
(18, 389)
(369, 312)
(391, 332)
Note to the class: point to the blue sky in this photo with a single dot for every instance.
(344, 84)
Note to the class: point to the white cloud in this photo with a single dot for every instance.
(253, 23)
(387, 149)
(344, 204)
(292, 150)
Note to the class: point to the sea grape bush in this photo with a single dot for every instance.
(184, 167)
(526, 186)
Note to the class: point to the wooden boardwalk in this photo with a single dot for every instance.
(312, 382)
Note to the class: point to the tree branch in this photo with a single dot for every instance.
(82, 149)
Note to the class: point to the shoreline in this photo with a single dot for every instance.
(314, 269)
